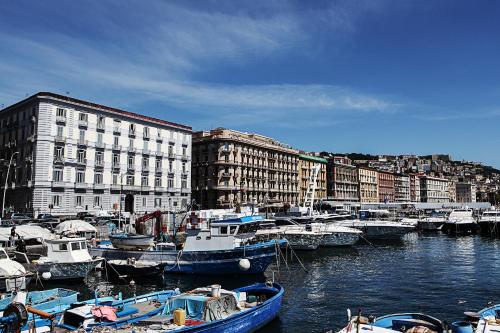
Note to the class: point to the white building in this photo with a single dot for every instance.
(433, 189)
(401, 188)
(72, 155)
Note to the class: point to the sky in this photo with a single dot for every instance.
(379, 77)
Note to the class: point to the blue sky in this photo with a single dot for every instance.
(381, 77)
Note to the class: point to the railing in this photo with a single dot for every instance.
(60, 119)
(82, 142)
(117, 147)
(83, 123)
(59, 139)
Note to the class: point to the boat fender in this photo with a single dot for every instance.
(244, 264)
(46, 275)
(461, 327)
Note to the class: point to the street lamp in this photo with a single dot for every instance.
(120, 211)
(6, 179)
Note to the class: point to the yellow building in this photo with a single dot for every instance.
(306, 163)
(368, 184)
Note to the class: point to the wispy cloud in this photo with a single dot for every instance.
(157, 53)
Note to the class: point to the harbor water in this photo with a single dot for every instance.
(440, 275)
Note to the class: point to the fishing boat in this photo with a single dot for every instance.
(67, 258)
(225, 247)
(434, 222)
(488, 319)
(489, 222)
(43, 299)
(114, 314)
(135, 268)
(212, 309)
(127, 241)
(13, 275)
(395, 323)
(460, 221)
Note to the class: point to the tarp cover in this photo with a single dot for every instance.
(220, 307)
(204, 308)
(74, 226)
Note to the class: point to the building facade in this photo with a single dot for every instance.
(466, 192)
(368, 184)
(342, 180)
(433, 189)
(414, 187)
(401, 188)
(452, 190)
(306, 163)
(233, 168)
(71, 155)
(386, 191)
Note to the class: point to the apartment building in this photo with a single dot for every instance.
(368, 184)
(306, 164)
(414, 187)
(466, 192)
(342, 179)
(233, 168)
(434, 189)
(70, 155)
(401, 188)
(386, 190)
(452, 190)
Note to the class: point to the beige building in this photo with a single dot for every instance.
(466, 192)
(401, 188)
(306, 163)
(368, 184)
(452, 190)
(232, 167)
(433, 189)
(414, 187)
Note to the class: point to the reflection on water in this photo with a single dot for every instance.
(440, 275)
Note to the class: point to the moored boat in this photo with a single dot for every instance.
(489, 222)
(434, 222)
(13, 275)
(126, 241)
(489, 319)
(460, 221)
(43, 299)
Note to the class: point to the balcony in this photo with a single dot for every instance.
(159, 153)
(184, 157)
(58, 159)
(170, 189)
(84, 123)
(145, 188)
(226, 174)
(101, 127)
(171, 154)
(99, 186)
(115, 187)
(117, 130)
(116, 147)
(146, 152)
(59, 139)
(115, 166)
(185, 190)
(131, 134)
(81, 162)
(131, 188)
(130, 167)
(145, 137)
(131, 150)
(58, 184)
(60, 119)
(82, 143)
(99, 164)
(100, 145)
(81, 186)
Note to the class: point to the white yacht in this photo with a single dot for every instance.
(434, 222)
(460, 221)
(13, 275)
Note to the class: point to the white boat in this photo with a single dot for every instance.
(127, 241)
(460, 221)
(76, 228)
(13, 275)
(67, 258)
(434, 222)
(489, 222)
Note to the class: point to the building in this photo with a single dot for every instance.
(306, 163)
(401, 188)
(414, 187)
(386, 190)
(466, 192)
(433, 189)
(71, 155)
(342, 179)
(233, 168)
(368, 184)
(452, 190)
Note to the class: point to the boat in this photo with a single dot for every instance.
(489, 222)
(488, 319)
(135, 268)
(127, 241)
(42, 300)
(114, 314)
(434, 222)
(77, 228)
(460, 221)
(212, 309)
(395, 323)
(225, 247)
(67, 258)
(13, 275)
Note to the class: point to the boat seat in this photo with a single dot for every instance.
(404, 325)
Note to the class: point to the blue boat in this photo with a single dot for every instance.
(395, 323)
(488, 321)
(45, 299)
(242, 310)
(226, 247)
(89, 316)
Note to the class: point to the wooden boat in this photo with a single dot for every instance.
(131, 241)
(44, 299)
(395, 323)
(242, 310)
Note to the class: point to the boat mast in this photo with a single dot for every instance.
(311, 189)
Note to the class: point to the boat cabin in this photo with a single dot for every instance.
(462, 213)
(223, 235)
(372, 214)
(67, 250)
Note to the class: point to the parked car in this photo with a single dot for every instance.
(46, 218)
(83, 215)
(19, 218)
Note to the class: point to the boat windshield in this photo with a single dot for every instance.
(247, 228)
(3, 255)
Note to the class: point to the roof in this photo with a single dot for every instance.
(72, 100)
(313, 158)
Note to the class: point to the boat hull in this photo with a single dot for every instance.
(460, 228)
(66, 271)
(135, 242)
(430, 226)
(385, 231)
(259, 255)
(303, 241)
(339, 239)
(489, 228)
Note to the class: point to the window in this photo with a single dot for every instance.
(131, 143)
(98, 178)
(130, 180)
(116, 140)
(97, 202)
(61, 112)
(158, 181)
(158, 147)
(144, 180)
(56, 200)
(184, 151)
(146, 146)
(75, 246)
(183, 167)
(158, 133)
(80, 176)
(83, 117)
(170, 150)
(115, 179)
(58, 175)
(157, 202)
(170, 166)
(171, 182)
(146, 132)
(131, 161)
(99, 161)
(232, 229)
(116, 125)
(116, 159)
(99, 138)
(131, 129)
(62, 247)
(144, 201)
(101, 122)
(184, 183)
(79, 201)
(223, 230)
(158, 164)
(59, 152)
(60, 131)
(81, 155)
(145, 162)
(82, 135)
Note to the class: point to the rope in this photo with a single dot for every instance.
(366, 240)
(176, 263)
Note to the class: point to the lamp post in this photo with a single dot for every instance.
(120, 210)
(6, 179)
